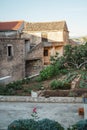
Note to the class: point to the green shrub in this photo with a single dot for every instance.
(56, 68)
(27, 90)
(38, 79)
(83, 84)
(17, 85)
(27, 124)
(66, 84)
(47, 72)
(30, 124)
(58, 84)
(47, 124)
(10, 91)
(55, 84)
(64, 71)
(81, 125)
(84, 75)
(37, 86)
(83, 81)
(71, 76)
(26, 81)
(2, 89)
(72, 94)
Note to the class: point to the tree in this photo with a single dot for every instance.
(76, 56)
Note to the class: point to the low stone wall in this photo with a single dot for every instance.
(41, 99)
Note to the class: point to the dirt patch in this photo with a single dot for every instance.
(64, 93)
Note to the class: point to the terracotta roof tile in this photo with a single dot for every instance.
(45, 26)
(7, 26)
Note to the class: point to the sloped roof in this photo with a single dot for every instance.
(8, 26)
(72, 42)
(46, 26)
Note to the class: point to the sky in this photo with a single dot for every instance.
(74, 12)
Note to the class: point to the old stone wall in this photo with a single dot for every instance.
(14, 65)
(34, 60)
(35, 53)
(35, 37)
(41, 99)
(33, 67)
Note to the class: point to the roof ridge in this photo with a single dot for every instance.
(47, 22)
(17, 25)
(12, 21)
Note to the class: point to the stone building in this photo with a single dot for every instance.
(12, 50)
(46, 39)
(25, 48)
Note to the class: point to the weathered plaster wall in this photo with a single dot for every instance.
(59, 49)
(66, 37)
(52, 36)
(56, 36)
(35, 37)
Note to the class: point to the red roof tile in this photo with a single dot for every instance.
(7, 26)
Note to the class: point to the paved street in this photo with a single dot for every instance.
(64, 113)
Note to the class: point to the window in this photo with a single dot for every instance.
(45, 52)
(9, 50)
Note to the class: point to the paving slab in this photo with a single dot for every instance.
(64, 113)
(85, 111)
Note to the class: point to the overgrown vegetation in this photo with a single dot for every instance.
(21, 87)
(69, 66)
(30, 124)
(81, 125)
(83, 81)
(76, 56)
(58, 84)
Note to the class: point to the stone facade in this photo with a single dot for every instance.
(33, 67)
(12, 64)
(53, 36)
(34, 60)
(35, 53)
(26, 47)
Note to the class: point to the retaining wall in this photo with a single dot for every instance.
(41, 99)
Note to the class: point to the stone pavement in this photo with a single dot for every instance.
(64, 113)
(85, 110)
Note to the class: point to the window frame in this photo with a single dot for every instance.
(10, 50)
(46, 52)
